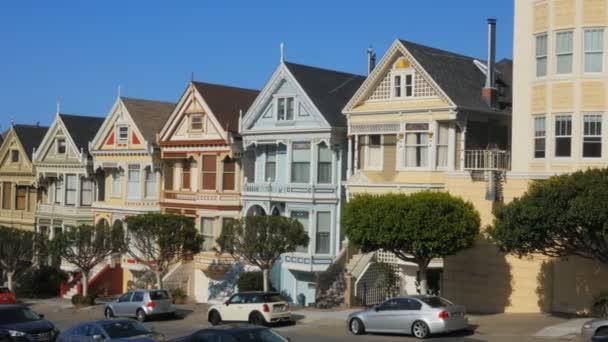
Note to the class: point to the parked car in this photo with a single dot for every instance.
(6, 297)
(257, 308)
(595, 330)
(141, 304)
(110, 330)
(234, 333)
(420, 316)
(23, 324)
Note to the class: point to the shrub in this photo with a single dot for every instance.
(178, 295)
(42, 282)
(251, 281)
(600, 306)
(80, 300)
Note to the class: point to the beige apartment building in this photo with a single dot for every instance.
(559, 105)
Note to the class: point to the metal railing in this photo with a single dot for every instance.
(487, 160)
(290, 188)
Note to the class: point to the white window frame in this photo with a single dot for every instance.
(285, 98)
(537, 137)
(331, 163)
(556, 136)
(59, 195)
(133, 168)
(57, 145)
(367, 152)
(191, 120)
(403, 153)
(116, 183)
(328, 212)
(446, 145)
(291, 162)
(306, 228)
(540, 57)
(563, 54)
(402, 74)
(587, 51)
(597, 135)
(118, 133)
(266, 154)
(213, 234)
(83, 189)
(73, 191)
(150, 179)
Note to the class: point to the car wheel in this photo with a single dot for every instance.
(356, 326)
(215, 318)
(256, 318)
(108, 313)
(420, 330)
(601, 331)
(141, 315)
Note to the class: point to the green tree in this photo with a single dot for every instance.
(16, 247)
(158, 240)
(416, 228)
(260, 240)
(562, 216)
(86, 246)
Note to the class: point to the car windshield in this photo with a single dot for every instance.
(261, 335)
(159, 295)
(4, 290)
(125, 329)
(272, 298)
(18, 315)
(436, 302)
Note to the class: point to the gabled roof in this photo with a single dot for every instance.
(148, 115)
(30, 136)
(459, 77)
(82, 129)
(329, 90)
(226, 102)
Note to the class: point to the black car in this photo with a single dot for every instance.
(23, 324)
(234, 333)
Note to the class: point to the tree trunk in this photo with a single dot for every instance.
(159, 280)
(422, 270)
(9, 278)
(85, 283)
(266, 275)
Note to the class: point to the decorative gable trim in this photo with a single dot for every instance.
(49, 138)
(258, 109)
(380, 74)
(107, 132)
(12, 142)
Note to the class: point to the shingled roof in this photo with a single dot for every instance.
(148, 115)
(329, 90)
(459, 77)
(30, 136)
(82, 129)
(226, 102)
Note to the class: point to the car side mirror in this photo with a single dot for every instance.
(227, 302)
(41, 316)
(97, 338)
(376, 308)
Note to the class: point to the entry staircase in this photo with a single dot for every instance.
(75, 285)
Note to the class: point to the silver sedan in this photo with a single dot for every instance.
(420, 316)
(595, 330)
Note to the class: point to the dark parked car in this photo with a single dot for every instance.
(234, 333)
(23, 324)
(110, 330)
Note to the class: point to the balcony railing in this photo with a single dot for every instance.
(290, 188)
(176, 195)
(56, 209)
(487, 160)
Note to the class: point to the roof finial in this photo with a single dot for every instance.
(240, 118)
(58, 107)
(119, 91)
(282, 52)
(12, 121)
(192, 77)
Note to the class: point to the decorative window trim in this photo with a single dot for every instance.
(14, 153)
(587, 51)
(202, 123)
(600, 135)
(57, 145)
(134, 168)
(563, 54)
(116, 184)
(118, 133)
(403, 86)
(401, 151)
(556, 136)
(539, 57)
(538, 137)
(285, 98)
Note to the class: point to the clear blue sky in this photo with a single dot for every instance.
(78, 52)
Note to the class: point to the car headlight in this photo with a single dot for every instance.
(587, 326)
(15, 333)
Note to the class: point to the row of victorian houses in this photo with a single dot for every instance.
(422, 119)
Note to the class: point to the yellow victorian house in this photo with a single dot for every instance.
(18, 192)
(126, 160)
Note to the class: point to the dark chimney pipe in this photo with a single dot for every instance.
(489, 91)
(371, 60)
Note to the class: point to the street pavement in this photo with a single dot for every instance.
(323, 325)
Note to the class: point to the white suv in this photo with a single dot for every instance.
(258, 308)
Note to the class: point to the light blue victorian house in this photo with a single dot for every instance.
(294, 139)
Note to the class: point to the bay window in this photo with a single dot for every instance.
(594, 50)
(133, 180)
(58, 190)
(416, 144)
(71, 182)
(116, 183)
(540, 134)
(324, 164)
(209, 172)
(563, 50)
(87, 192)
(443, 130)
(300, 162)
(208, 232)
(151, 185)
(302, 217)
(323, 236)
(563, 135)
(271, 163)
(592, 136)
(541, 55)
(228, 178)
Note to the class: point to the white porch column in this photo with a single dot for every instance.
(287, 162)
(194, 167)
(433, 144)
(313, 163)
(356, 165)
(349, 162)
(63, 189)
(451, 147)
(462, 145)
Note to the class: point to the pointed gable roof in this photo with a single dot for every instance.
(82, 129)
(148, 115)
(329, 90)
(459, 77)
(30, 136)
(226, 102)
